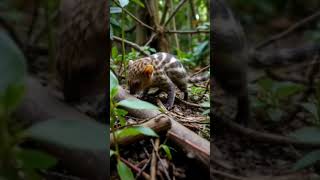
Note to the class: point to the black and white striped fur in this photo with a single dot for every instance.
(160, 70)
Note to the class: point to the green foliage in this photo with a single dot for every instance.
(118, 114)
(307, 134)
(136, 104)
(124, 172)
(166, 149)
(134, 131)
(307, 160)
(273, 96)
(313, 106)
(35, 160)
(69, 133)
(197, 90)
(311, 135)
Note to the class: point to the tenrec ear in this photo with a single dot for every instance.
(148, 70)
(130, 62)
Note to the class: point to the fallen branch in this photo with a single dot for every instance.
(195, 146)
(289, 30)
(159, 124)
(40, 104)
(264, 137)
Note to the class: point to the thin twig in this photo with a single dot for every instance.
(190, 104)
(135, 168)
(289, 30)
(131, 44)
(207, 89)
(151, 38)
(163, 166)
(153, 168)
(143, 168)
(201, 70)
(134, 17)
(187, 31)
(174, 12)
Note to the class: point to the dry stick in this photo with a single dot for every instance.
(153, 168)
(159, 125)
(187, 31)
(143, 168)
(207, 89)
(190, 104)
(226, 175)
(174, 12)
(200, 71)
(134, 17)
(131, 44)
(135, 168)
(151, 38)
(187, 140)
(163, 166)
(289, 30)
(265, 137)
(282, 77)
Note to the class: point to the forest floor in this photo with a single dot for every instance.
(249, 158)
(189, 114)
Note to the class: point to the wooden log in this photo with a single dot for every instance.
(158, 124)
(192, 144)
(39, 105)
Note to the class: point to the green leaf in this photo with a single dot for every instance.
(307, 134)
(114, 52)
(137, 104)
(79, 134)
(115, 10)
(138, 2)
(113, 84)
(166, 150)
(206, 104)
(307, 160)
(286, 89)
(124, 3)
(312, 108)
(136, 130)
(12, 63)
(125, 173)
(206, 112)
(275, 114)
(12, 96)
(33, 159)
(112, 152)
(265, 83)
